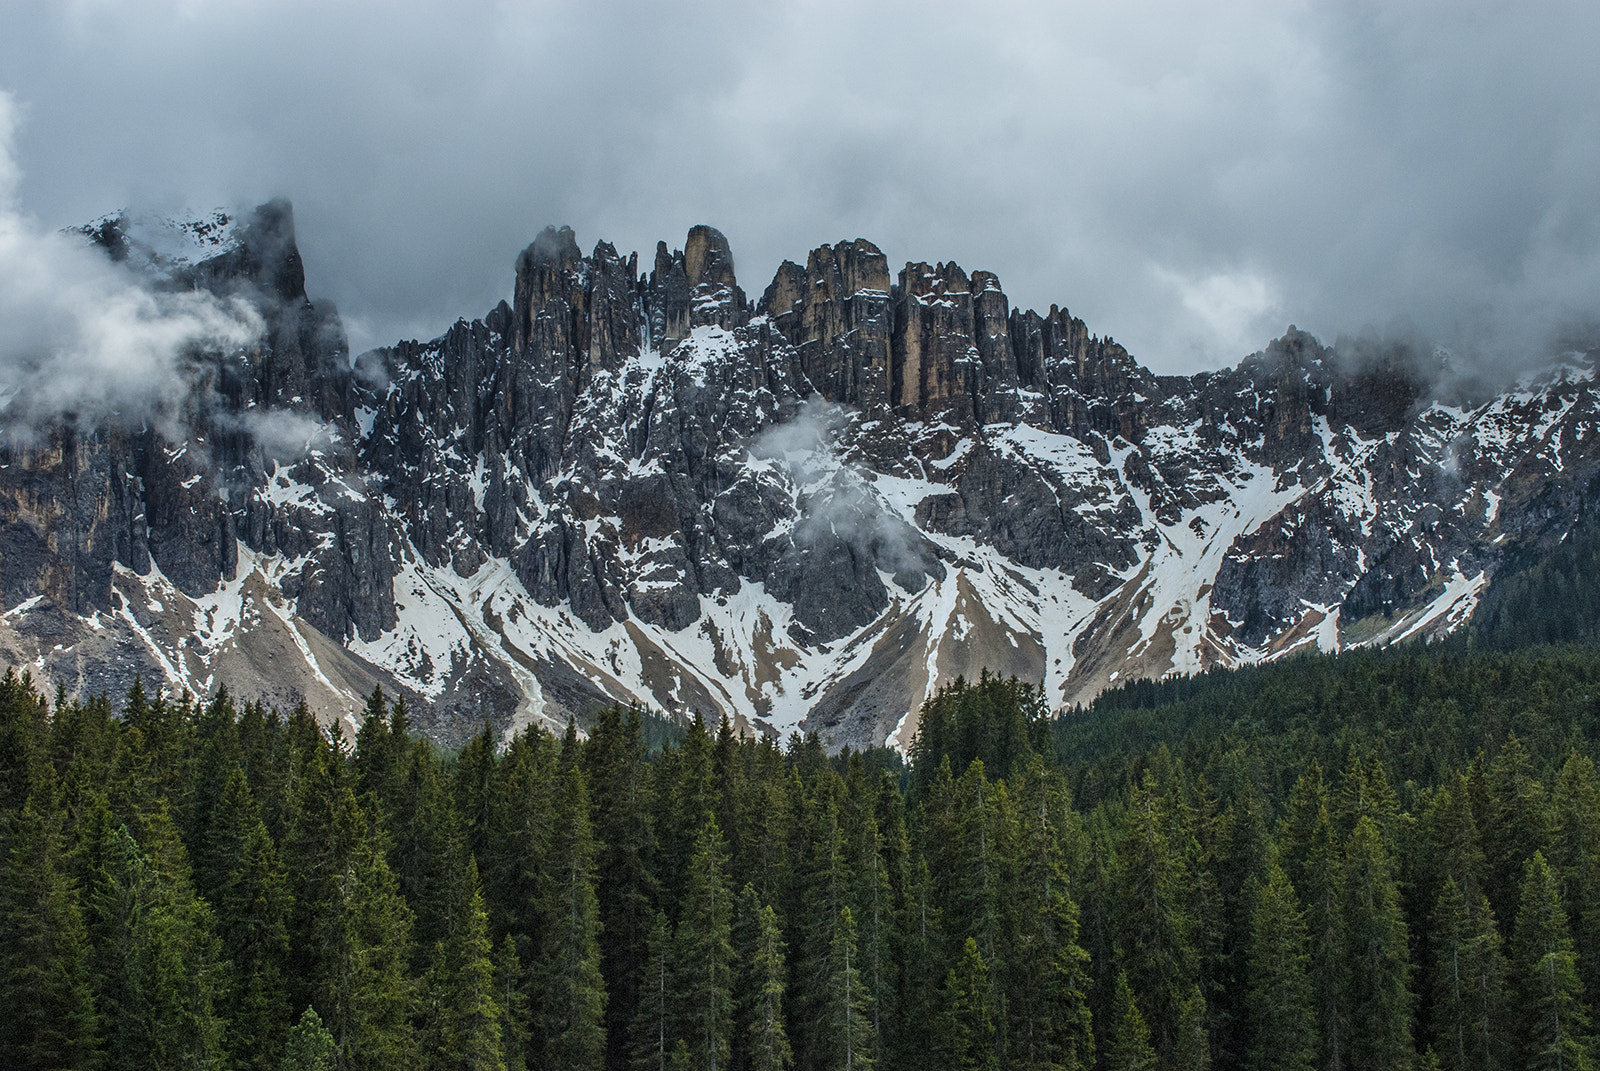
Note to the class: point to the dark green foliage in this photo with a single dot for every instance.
(650, 1037)
(180, 884)
(156, 962)
(614, 765)
(1130, 1048)
(968, 1030)
(1552, 1023)
(1000, 723)
(571, 993)
(847, 1024)
(767, 1038)
(1280, 1003)
(462, 1005)
(310, 1047)
(1469, 983)
(1377, 957)
(49, 1018)
(1544, 596)
(704, 953)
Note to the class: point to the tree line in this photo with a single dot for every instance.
(1378, 860)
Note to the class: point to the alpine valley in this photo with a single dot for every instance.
(804, 511)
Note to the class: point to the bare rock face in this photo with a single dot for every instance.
(836, 314)
(634, 485)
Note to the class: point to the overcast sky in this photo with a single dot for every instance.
(1188, 178)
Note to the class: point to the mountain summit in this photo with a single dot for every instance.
(803, 512)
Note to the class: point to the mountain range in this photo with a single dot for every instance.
(804, 511)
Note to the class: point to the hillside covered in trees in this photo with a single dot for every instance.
(1372, 860)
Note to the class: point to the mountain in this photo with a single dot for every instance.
(802, 511)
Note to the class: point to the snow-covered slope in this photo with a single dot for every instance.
(803, 513)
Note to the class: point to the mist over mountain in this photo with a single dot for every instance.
(637, 482)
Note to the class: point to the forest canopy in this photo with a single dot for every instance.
(1376, 859)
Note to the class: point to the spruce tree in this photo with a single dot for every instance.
(848, 1031)
(1469, 983)
(310, 1047)
(1552, 1021)
(705, 953)
(1130, 1048)
(1280, 1005)
(510, 987)
(571, 999)
(157, 964)
(614, 762)
(50, 1019)
(872, 907)
(1377, 967)
(651, 1033)
(768, 1039)
(1519, 824)
(351, 949)
(1048, 970)
(1158, 953)
(968, 1027)
(251, 898)
(461, 1021)
(1575, 852)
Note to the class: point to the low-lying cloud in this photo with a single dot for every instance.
(1187, 177)
(836, 499)
(83, 337)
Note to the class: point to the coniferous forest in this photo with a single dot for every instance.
(1373, 860)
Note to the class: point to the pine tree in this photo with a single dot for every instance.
(381, 758)
(1311, 855)
(974, 907)
(1048, 970)
(510, 988)
(967, 1036)
(461, 1027)
(516, 883)
(1377, 968)
(872, 906)
(157, 964)
(571, 1003)
(1280, 1005)
(251, 898)
(1551, 1018)
(425, 847)
(1130, 1048)
(614, 762)
(922, 999)
(351, 947)
(1518, 825)
(1453, 831)
(847, 1025)
(1191, 1050)
(768, 1039)
(310, 1047)
(650, 1034)
(49, 1019)
(825, 889)
(705, 952)
(22, 730)
(1158, 953)
(1575, 852)
(1468, 983)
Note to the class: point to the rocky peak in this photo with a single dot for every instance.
(835, 312)
(265, 257)
(624, 488)
(936, 368)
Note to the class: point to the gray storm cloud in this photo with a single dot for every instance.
(1188, 177)
(80, 335)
